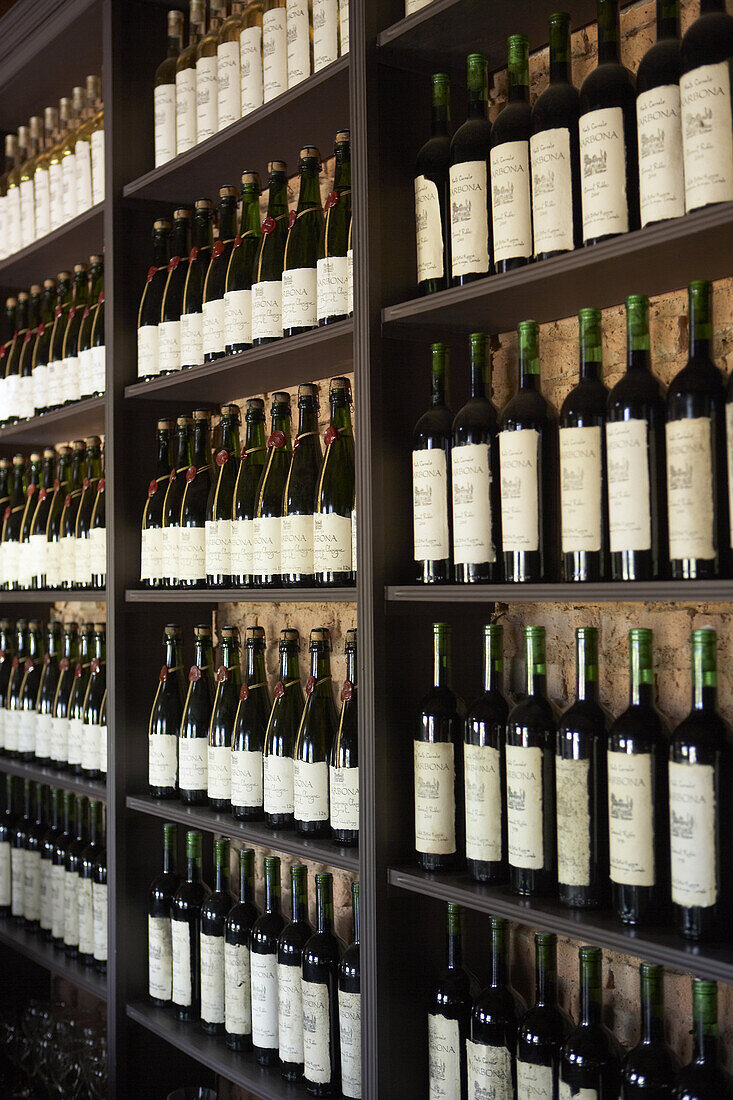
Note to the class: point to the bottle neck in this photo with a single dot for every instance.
(705, 1029)
(708, 6)
(437, 388)
(455, 949)
(193, 868)
(272, 896)
(180, 238)
(289, 667)
(161, 253)
(254, 434)
(277, 202)
(172, 652)
(340, 413)
(203, 233)
(439, 119)
(182, 450)
(652, 1013)
(203, 653)
(608, 32)
(342, 171)
(169, 857)
(227, 220)
(94, 829)
(586, 669)
(164, 446)
(230, 655)
(546, 974)
(324, 906)
(307, 420)
(478, 106)
(310, 192)
(222, 876)
(641, 679)
(499, 964)
(535, 667)
(441, 662)
(529, 368)
(560, 71)
(480, 374)
(250, 220)
(201, 444)
(255, 663)
(355, 902)
(300, 899)
(351, 665)
(321, 665)
(493, 664)
(590, 992)
(246, 881)
(668, 19)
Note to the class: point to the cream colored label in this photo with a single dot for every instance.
(573, 821)
(212, 979)
(83, 158)
(290, 1013)
(707, 135)
(5, 880)
(469, 218)
(429, 230)
(344, 44)
(520, 509)
(299, 298)
(580, 488)
(325, 33)
(510, 200)
(603, 173)
(412, 6)
(473, 541)
(482, 776)
(97, 552)
(332, 286)
(534, 1082)
(16, 880)
(193, 763)
(274, 53)
(524, 796)
(299, 52)
(37, 554)
(86, 917)
(310, 789)
(693, 834)
(42, 187)
(350, 284)
(213, 322)
(164, 105)
(350, 1032)
(26, 730)
(98, 167)
(237, 989)
(90, 747)
(278, 785)
(220, 771)
(489, 1072)
(99, 900)
(181, 993)
(27, 213)
(71, 908)
(151, 554)
(46, 890)
(246, 778)
(264, 1000)
(344, 791)
(103, 749)
(297, 544)
(552, 191)
(250, 56)
(229, 84)
(316, 1033)
(435, 799)
(207, 95)
(631, 818)
(444, 1058)
(238, 317)
(690, 509)
(43, 725)
(629, 509)
(267, 310)
(242, 546)
(147, 351)
(191, 556)
(192, 339)
(57, 899)
(331, 543)
(568, 1093)
(160, 958)
(430, 505)
(218, 554)
(32, 885)
(661, 171)
(266, 546)
(162, 759)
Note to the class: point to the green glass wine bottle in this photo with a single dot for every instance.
(431, 449)
(160, 900)
(432, 194)
(344, 763)
(267, 531)
(214, 913)
(449, 1015)
(171, 517)
(333, 262)
(193, 743)
(214, 335)
(591, 1056)
(165, 717)
(186, 933)
(192, 326)
(296, 552)
(75, 709)
(38, 539)
(169, 329)
(293, 939)
(148, 317)
(238, 292)
(151, 548)
(491, 1050)
(250, 726)
(192, 531)
(334, 521)
(32, 668)
(244, 503)
(704, 1078)
(321, 958)
(544, 1027)
(47, 686)
(313, 744)
(350, 1006)
(282, 730)
(267, 270)
(91, 749)
(219, 504)
(263, 962)
(237, 970)
(650, 1069)
(300, 259)
(23, 575)
(228, 685)
(82, 526)
(60, 708)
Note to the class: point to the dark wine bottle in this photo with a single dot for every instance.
(431, 477)
(91, 748)
(282, 729)
(582, 785)
(528, 461)
(252, 462)
(293, 939)
(296, 556)
(182, 458)
(334, 521)
(491, 1050)
(484, 762)
(704, 1078)
(26, 716)
(591, 1055)
(82, 577)
(42, 346)
(38, 540)
(72, 863)
(192, 322)
(635, 441)
(75, 709)
(321, 958)
(193, 742)
(267, 270)
(65, 293)
(7, 650)
(62, 697)
(543, 1028)
(332, 269)
(67, 524)
(99, 902)
(650, 1069)
(659, 121)
(160, 902)
(214, 913)
(349, 999)
(215, 284)
(609, 162)
(12, 699)
(449, 1015)
(313, 744)
(263, 962)
(344, 763)
(32, 859)
(511, 206)
(169, 328)
(165, 717)
(638, 825)
(47, 685)
(186, 907)
(58, 867)
(151, 550)
(238, 293)
(267, 530)
(88, 858)
(219, 504)
(23, 574)
(224, 708)
(470, 198)
(192, 531)
(148, 317)
(237, 971)
(250, 726)
(300, 259)
(71, 382)
(12, 523)
(50, 836)
(17, 854)
(432, 194)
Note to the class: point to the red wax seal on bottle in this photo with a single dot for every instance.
(7, 512)
(173, 263)
(190, 474)
(244, 693)
(292, 219)
(237, 240)
(194, 674)
(279, 690)
(151, 272)
(60, 309)
(222, 675)
(171, 477)
(332, 200)
(152, 488)
(94, 665)
(163, 674)
(194, 253)
(27, 337)
(41, 496)
(30, 490)
(347, 692)
(330, 435)
(64, 664)
(46, 660)
(15, 662)
(67, 502)
(100, 485)
(78, 671)
(85, 483)
(101, 297)
(217, 249)
(309, 685)
(84, 316)
(28, 665)
(222, 457)
(268, 225)
(277, 440)
(41, 329)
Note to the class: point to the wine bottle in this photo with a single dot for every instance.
(151, 550)
(267, 530)
(171, 518)
(37, 541)
(72, 863)
(511, 205)
(637, 794)
(543, 1028)
(23, 575)
(192, 320)
(438, 764)
(705, 96)
(696, 497)
(186, 109)
(659, 122)
(69, 513)
(207, 74)
(6, 667)
(25, 385)
(5, 468)
(7, 825)
(148, 317)
(169, 329)
(164, 92)
(334, 521)
(491, 1050)
(583, 474)
(274, 49)
(215, 284)
(344, 763)
(103, 738)
(186, 907)
(470, 199)
(32, 667)
(68, 153)
(300, 260)
(296, 552)
(193, 743)
(591, 1055)
(27, 194)
(12, 370)
(332, 266)
(65, 291)
(229, 79)
(300, 50)
(635, 442)
(699, 765)
(237, 969)
(528, 461)
(219, 504)
(432, 194)
(86, 876)
(293, 939)
(431, 452)
(12, 704)
(91, 749)
(282, 729)
(49, 553)
(32, 858)
(71, 383)
(160, 901)
(325, 33)
(42, 347)
(60, 712)
(250, 47)
(98, 538)
(214, 912)
(264, 973)
(321, 959)
(41, 175)
(58, 868)
(484, 764)
(99, 902)
(50, 836)
(703, 1078)
(267, 272)
(12, 524)
(238, 292)
(47, 685)
(250, 725)
(349, 1002)
(650, 1068)
(75, 710)
(228, 685)
(17, 854)
(555, 152)
(314, 741)
(449, 1016)
(609, 163)
(582, 786)
(165, 717)
(192, 530)
(474, 463)
(87, 500)
(252, 461)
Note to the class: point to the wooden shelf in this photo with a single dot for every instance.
(720, 591)
(55, 777)
(77, 420)
(43, 953)
(201, 817)
(240, 595)
(52, 595)
(713, 962)
(73, 243)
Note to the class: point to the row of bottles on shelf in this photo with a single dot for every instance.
(53, 867)
(279, 513)
(638, 478)
(577, 167)
(485, 1042)
(290, 761)
(286, 990)
(584, 806)
(249, 52)
(53, 352)
(54, 169)
(254, 284)
(53, 695)
(54, 519)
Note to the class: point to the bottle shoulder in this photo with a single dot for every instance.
(609, 85)
(471, 141)
(701, 732)
(585, 718)
(650, 1065)
(544, 1023)
(437, 422)
(525, 407)
(635, 389)
(434, 157)
(532, 712)
(640, 728)
(513, 123)
(661, 65)
(587, 400)
(557, 105)
(708, 41)
(698, 376)
(491, 708)
(478, 415)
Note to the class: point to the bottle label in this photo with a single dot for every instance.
(299, 306)
(264, 1000)
(151, 554)
(192, 553)
(207, 96)
(489, 1072)
(469, 218)
(552, 191)
(631, 818)
(72, 391)
(266, 546)
(68, 559)
(212, 979)
(572, 789)
(164, 105)
(290, 1013)
(435, 798)
(46, 920)
(16, 887)
(169, 346)
(350, 1031)
(278, 792)
(43, 736)
(570, 1092)
(75, 727)
(332, 542)
(729, 455)
(250, 55)
(90, 747)
(603, 173)
(5, 887)
(83, 158)
(472, 533)
(193, 767)
(412, 6)
(430, 505)
(274, 53)
(510, 199)
(237, 317)
(325, 33)
(160, 960)
(429, 230)
(99, 901)
(57, 899)
(181, 956)
(185, 110)
(162, 759)
(213, 322)
(229, 84)
(192, 339)
(444, 1058)
(147, 351)
(102, 737)
(333, 287)
(98, 178)
(59, 740)
(525, 795)
(344, 787)
(27, 213)
(344, 43)
(299, 51)
(246, 778)
(694, 839)
(241, 543)
(310, 790)
(32, 886)
(316, 1033)
(26, 731)
(86, 917)
(353, 539)
(629, 511)
(218, 553)
(580, 489)
(267, 310)
(13, 216)
(71, 909)
(237, 989)
(297, 544)
(42, 190)
(483, 802)
(37, 555)
(661, 172)
(518, 461)
(350, 284)
(690, 508)
(98, 552)
(68, 180)
(707, 135)
(220, 771)
(99, 369)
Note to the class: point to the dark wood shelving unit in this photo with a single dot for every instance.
(608, 592)
(81, 418)
(239, 595)
(55, 777)
(72, 243)
(52, 595)
(43, 953)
